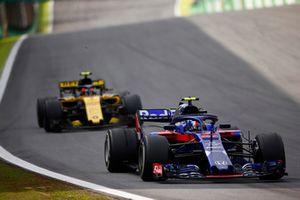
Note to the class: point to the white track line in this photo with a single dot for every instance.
(9, 64)
(26, 165)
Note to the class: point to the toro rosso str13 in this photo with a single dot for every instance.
(192, 145)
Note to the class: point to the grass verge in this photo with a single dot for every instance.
(19, 184)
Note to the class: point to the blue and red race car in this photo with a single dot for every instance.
(192, 145)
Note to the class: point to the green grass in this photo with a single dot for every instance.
(19, 184)
(6, 45)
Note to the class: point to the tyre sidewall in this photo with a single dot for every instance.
(153, 149)
(53, 116)
(270, 148)
(122, 148)
(132, 103)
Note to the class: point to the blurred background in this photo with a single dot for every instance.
(30, 16)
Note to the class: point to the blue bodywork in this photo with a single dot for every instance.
(207, 144)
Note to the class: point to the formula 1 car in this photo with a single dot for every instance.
(192, 145)
(86, 103)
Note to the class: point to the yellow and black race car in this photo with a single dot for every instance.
(86, 103)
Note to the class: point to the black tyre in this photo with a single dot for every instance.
(132, 103)
(53, 116)
(121, 147)
(153, 149)
(269, 148)
(40, 107)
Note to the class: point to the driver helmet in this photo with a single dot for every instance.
(192, 125)
(188, 126)
(85, 80)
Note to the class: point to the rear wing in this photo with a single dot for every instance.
(156, 115)
(72, 88)
(75, 84)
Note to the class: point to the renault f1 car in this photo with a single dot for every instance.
(192, 145)
(86, 103)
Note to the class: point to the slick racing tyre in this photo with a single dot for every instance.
(270, 148)
(132, 103)
(53, 116)
(153, 149)
(121, 146)
(40, 107)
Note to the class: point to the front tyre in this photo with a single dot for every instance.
(270, 148)
(153, 149)
(120, 147)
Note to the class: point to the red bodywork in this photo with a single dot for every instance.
(174, 137)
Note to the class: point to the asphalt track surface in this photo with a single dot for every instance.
(74, 15)
(162, 61)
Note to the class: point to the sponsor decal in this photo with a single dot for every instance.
(98, 82)
(67, 84)
(157, 169)
(221, 162)
(156, 114)
(207, 136)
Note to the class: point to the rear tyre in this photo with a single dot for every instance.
(53, 116)
(40, 107)
(132, 103)
(270, 148)
(121, 147)
(153, 149)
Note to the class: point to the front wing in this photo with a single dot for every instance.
(249, 170)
